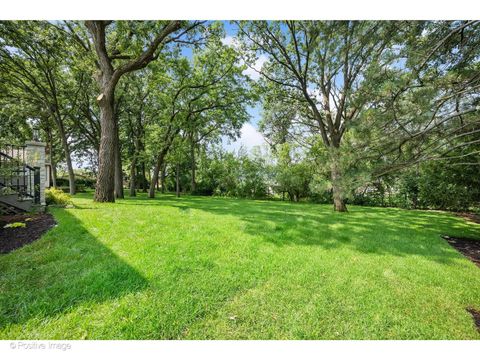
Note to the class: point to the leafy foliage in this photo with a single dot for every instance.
(54, 196)
(15, 225)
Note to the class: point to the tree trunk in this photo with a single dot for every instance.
(133, 165)
(144, 177)
(192, 158)
(54, 173)
(177, 179)
(162, 179)
(156, 171)
(338, 193)
(71, 175)
(148, 177)
(66, 150)
(107, 78)
(53, 167)
(53, 170)
(104, 189)
(118, 165)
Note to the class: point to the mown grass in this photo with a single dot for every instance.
(208, 268)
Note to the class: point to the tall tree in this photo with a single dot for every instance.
(430, 107)
(200, 100)
(33, 63)
(110, 48)
(320, 68)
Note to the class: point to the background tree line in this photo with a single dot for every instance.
(366, 112)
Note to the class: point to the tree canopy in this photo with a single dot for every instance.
(368, 112)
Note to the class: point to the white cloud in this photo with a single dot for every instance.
(228, 40)
(249, 137)
(251, 72)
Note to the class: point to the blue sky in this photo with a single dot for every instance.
(250, 136)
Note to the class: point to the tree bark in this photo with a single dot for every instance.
(162, 179)
(66, 150)
(54, 174)
(177, 179)
(104, 189)
(71, 175)
(107, 79)
(156, 171)
(118, 165)
(337, 189)
(192, 158)
(53, 166)
(144, 177)
(133, 165)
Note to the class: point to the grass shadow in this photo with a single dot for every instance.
(368, 230)
(68, 266)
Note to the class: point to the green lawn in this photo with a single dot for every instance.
(208, 268)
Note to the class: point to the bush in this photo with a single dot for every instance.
(55, 196)
(61, 182)
(66, 189)
(79, 183)
(85, 182)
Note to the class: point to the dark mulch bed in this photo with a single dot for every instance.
(470, 248)
(471, 217)
(13, 238)
(476, 317)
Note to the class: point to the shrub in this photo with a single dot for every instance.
(55, 196)
(85, 182)
(79, 183)
(66, 189)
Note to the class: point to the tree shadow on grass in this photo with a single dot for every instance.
(368, 230)
(68, 266)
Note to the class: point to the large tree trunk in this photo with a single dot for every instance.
(337, 189)
(177, 179)
(133, 165)
(104, 189)
(118, 165)
(107, 78)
